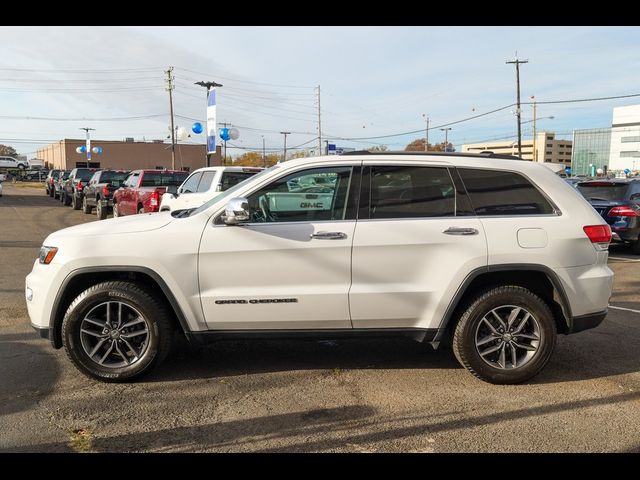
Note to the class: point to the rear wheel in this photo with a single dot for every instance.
(140, 209)
(74, 202)
(116, 331)
(635, 247)
(505, 336)
(101, 212)
(85, 207)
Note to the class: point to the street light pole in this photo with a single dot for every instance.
(426, 133)
(534, 153)
(446, 138)
(284, 159)
(88, 144)
(208, 86)
(264, 157)
(517, 64)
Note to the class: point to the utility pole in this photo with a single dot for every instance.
(446, 138)
(209, 86)
(224, 157)
(173, 130)
(426, 133)
(517, 64)
(88, 144)
(319, 126)
(534, 155)
(264, 156)
(284, 159)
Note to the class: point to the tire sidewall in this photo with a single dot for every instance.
(482, 306)
(71, 333)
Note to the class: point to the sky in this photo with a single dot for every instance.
(374, 82)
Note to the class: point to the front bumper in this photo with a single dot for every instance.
(43, 332)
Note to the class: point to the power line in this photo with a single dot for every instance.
(245, 81)
(81, 119)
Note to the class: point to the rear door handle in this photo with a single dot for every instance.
(328, 235)
(460, 231)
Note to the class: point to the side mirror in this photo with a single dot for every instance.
(635, 196)
(236, 211)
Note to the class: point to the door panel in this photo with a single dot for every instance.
(407, 270)
(274, 273)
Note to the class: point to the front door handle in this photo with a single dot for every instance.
(328, 235)
(460, 231)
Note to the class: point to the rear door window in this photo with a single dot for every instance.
(205, 181)
(498, 192)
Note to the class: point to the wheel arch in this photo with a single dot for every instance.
(540, 279)
(81, 279)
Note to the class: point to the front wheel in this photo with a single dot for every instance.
(505, 336)
(116, 331)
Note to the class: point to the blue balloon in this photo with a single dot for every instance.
(196, 128)
(83, 149)
(100, 150)
(224, 134)
(627, 171)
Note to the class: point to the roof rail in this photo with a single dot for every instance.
(483, 154)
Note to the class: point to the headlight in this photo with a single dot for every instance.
(47, 254)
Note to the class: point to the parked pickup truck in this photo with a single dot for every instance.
(99, 191)
(143, 189)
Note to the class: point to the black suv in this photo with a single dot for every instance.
(618, 201)
(72, 188)
(99, 192)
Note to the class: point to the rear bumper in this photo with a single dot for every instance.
(585, 322)
(629, 235)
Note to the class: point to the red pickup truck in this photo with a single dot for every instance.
(142, 191)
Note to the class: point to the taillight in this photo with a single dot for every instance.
(153, 201)
(79, 186)
(624, 211)
(105, 191)
(600, 235)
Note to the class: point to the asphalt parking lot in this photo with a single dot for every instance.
(308, 396)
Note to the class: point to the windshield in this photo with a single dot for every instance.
(229, 193)
(113, 177)
(603, 191)
(84, 175)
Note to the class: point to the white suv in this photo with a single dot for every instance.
(204, 184)
(10, 162)
(492, 254)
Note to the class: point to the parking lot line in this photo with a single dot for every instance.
(625, 309)
(622, 259)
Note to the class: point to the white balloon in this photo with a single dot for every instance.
(234, 133)
(600, 171)
(78, 149)
(182, 133)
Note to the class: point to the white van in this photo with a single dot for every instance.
(203, 185)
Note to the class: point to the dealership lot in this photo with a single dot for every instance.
(348, 396)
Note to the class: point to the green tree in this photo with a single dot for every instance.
(418, 146)
(8, 151)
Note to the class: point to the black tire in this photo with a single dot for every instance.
(74, 202)
(159, 326)
(464, 338)
(101, 212)
(51, 192)
(635, 247)
(61, 197)
(140, 209)
(67, 200)
(85, 207)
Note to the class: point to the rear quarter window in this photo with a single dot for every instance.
(498, 192)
